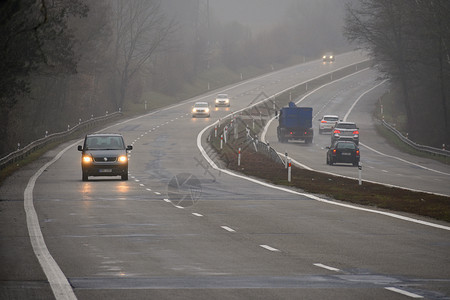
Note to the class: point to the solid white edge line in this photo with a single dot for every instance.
(327, 267)
(392, 215)
(59, 284)
(405, 293)
(269, 248)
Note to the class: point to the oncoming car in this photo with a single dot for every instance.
(104, 155)
(201, 109)
(343, 152)
(328, 57)
(222, 100)
(327, 123)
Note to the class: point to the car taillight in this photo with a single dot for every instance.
(356, 132)
(291, 132)
(334, 151)
(357, 152)
(336, 131)
(323, 121)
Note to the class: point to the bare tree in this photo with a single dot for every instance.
(140, 30)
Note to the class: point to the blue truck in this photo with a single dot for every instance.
(295, 123)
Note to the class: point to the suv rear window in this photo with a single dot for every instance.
(345, 146)
(346, 126)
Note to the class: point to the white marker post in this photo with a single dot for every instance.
(215, 131)
(239, 157)
(289, 170)
(359, 173)
(285, 160)
(221, 141)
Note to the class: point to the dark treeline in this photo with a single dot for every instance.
(65, 60)
(410, 43)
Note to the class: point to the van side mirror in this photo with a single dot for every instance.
(80, 148)
(129, 147)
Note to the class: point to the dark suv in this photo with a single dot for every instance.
(104, 155)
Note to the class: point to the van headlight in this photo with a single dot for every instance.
(87, 159)
(123, 158)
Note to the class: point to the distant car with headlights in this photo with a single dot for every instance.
(327, 123)
(343, 152)
(104, 154)
(201, 109)
(222, 100)
(328, 57)
(345, 131)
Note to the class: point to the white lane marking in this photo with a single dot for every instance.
(157, 193)
(197, 214)
(58, 282)
(180, 207)
(137, 180)
(167, 200)
(396, 290)
(149, 190)
(310, 196)
(327, 267)
(141, 184)
(228, 228)
(269, 248)
(362, 95)
(403, 160)
(385, 171)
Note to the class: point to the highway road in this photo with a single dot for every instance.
(180, 229)
(354, 99)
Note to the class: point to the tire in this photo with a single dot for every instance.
(308, 141)
(328, 161)
(355, 164)
(124, 176)
(84, 177)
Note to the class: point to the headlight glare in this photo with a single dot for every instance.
(123, 158)
(87, 159)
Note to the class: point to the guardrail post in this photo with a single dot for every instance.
(18, 146)
(68, 127)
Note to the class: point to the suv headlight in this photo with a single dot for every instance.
(123, 158)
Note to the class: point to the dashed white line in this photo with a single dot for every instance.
(228, 228)
(137, 180)
(396, 290)
(148, 189)
(197, 214)
(167, 200)
(141, 184)
(157, 193)
(269, 248)
(326, 267)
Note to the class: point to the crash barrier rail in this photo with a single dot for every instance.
(421, 148)
(21, 153)
(255, 116)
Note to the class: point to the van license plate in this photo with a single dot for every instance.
(105, 170)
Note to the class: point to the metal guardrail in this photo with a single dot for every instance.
(421, 148)
(40, 143)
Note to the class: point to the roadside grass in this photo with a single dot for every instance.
(258, 165)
